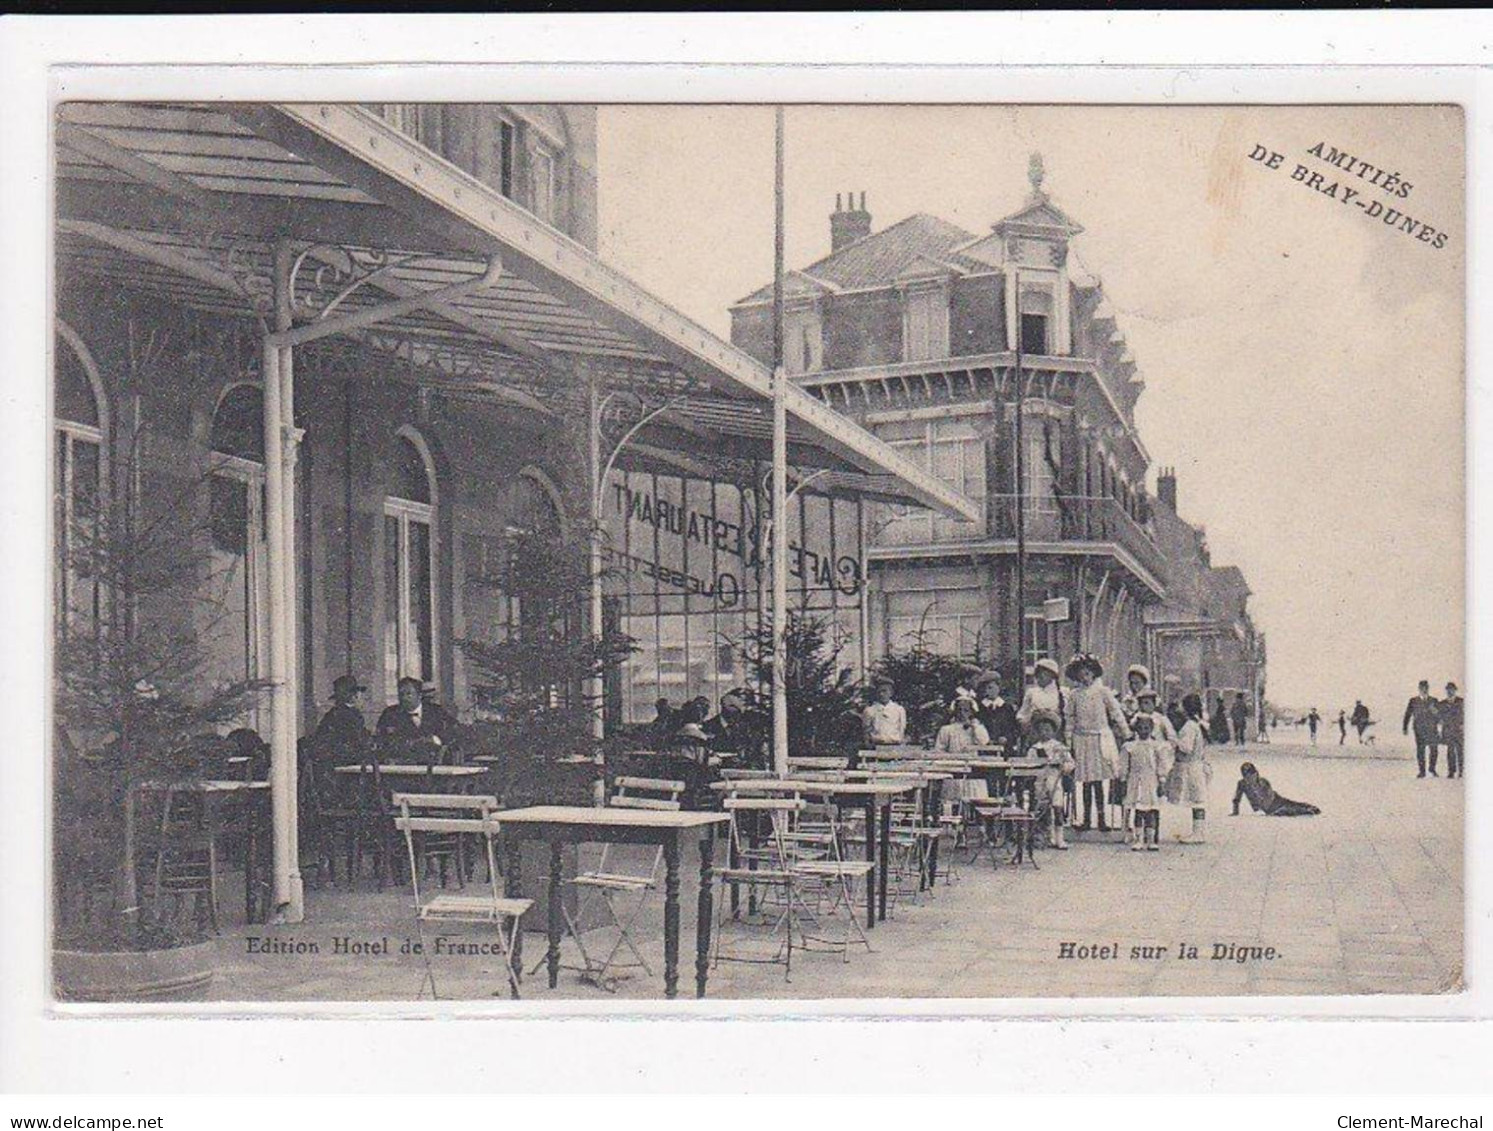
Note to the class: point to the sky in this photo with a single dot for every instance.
(1303, 361)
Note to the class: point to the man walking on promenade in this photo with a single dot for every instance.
(1423, 712)
(1239, 716)
(1451, 730)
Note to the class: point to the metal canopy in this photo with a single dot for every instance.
(188, 202)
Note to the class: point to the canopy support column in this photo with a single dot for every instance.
(280, 442)
(597, 689)
(779, 479)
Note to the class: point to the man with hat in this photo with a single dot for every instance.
(996, 714)
(1451, 711)
(884, 721)
(341, 737)
(1424, 713)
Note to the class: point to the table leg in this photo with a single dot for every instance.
(671, 915)
(935, 817)
(871, 859)
(704, 913)
(553, 954)
(513, 888)
(881, 864)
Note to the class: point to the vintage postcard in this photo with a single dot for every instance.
(581, 553)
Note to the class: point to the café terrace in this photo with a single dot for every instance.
(367, 368)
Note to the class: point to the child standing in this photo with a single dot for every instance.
(1058, 761)
(1188, 783)
(1144, 763)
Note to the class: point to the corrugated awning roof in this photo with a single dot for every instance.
(188, 202)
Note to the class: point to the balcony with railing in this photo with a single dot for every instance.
(1052, 522)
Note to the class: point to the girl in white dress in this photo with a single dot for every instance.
(960, 735)
(1188, 782)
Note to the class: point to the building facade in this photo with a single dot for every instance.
(990, 360)
(347, 357)
(1202, 637)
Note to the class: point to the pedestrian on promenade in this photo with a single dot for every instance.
(1424, 714)
(1092, 709)
(1313, 721)
(1145, 761)
(1218, 726)
(1187, 784)
(1342, 727)
(1239, 716)
(1451, 730)
(1360, 719)
(1263, 799)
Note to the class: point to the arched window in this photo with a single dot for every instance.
(409, 564)
(238, 598)
(80, 463)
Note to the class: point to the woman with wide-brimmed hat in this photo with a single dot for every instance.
(1044, 694)
(1092, 709)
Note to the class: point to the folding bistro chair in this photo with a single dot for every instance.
(768, 867)
(829, 879)
(612, 883)
(418, 813)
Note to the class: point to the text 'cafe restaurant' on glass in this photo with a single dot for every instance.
(352, 367)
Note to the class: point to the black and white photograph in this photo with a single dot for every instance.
(587, 552)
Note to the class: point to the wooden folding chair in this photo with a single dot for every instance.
(412, 817)
(611, 882)
(767, 867)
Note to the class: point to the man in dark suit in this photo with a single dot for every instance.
(1451, 710)
(415, 729)
(341, 738)
(1424, 713)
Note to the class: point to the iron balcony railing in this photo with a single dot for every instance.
(1049, 519)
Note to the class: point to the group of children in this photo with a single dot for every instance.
(1089, 740)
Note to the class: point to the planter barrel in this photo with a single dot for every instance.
(181, 973)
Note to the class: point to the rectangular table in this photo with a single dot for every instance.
(876, 797)
(560, 825)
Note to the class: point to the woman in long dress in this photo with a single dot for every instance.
(1092, 709)
(1188, 782)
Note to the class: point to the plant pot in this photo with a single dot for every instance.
(181, 973)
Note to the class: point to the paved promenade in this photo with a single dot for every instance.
(1366, 898)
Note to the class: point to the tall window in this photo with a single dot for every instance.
(925, 325)
(507, 141)
(239, 627)
(1036, 318)
(955, 452)
(409, 569)
(78, 490)
(545, 173)
(1040, 468)
(803, 342)
(1038, 637)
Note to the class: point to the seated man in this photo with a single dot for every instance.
(1264, 799)
(415, 729)
(341, 738)
(731, 731)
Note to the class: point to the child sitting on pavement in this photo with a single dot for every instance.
(1051, 801)
(1145, 762)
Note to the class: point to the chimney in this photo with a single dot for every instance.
(848, 224)
(1166, 488)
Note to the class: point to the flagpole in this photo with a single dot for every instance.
(1020, 484)
(779, 474)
